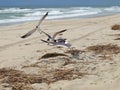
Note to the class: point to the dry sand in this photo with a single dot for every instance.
(24, 54)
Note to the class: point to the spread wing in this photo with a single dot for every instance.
(42, 19)
(59, 33)
(29, 33)
(32, 31)
(47, 34)
(44, 41)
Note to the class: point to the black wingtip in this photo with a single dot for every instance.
(64, 30)
(24, 36)
(46, 13)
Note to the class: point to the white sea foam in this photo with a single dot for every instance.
(113, 9)
(9, 15)
(14, 10)
(34, 14)
(55, 12)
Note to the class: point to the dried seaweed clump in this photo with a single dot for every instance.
(115, 27)
(49, 55)
(65, 74)
(104, 49)
(13, 76)
(18, 79)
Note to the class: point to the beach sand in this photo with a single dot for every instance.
(25, 54)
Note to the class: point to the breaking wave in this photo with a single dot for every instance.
(9, 15)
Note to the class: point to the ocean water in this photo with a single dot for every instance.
(16, 14)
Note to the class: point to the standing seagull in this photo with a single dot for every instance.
(53, 41)
(36, 28)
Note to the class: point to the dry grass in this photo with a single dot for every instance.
(49, 55)
(13, 76)
(17, 79)
(66, 74)
(115, 27)
(20, 81)
(104, 49)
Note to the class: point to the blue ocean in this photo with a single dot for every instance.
(18, 14)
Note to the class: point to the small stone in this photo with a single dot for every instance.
(5, 85)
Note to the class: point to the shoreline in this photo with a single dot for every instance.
(77, 17)
(83, 17)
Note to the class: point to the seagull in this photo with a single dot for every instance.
(52, 38)
(36, 28)
(57, 42)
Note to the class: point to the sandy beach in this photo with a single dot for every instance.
(90, 71)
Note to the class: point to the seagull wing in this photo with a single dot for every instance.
(42, 19)
(32, 31)
(47, 34)
(44, 41)
(59, 33)
(29, 33)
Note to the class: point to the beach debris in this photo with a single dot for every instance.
(58, 42)
(16, 79)
(104, 51)
(115, 27)
(27, 43)
(49, 55)
(76, 53)
(66, 74)
(36, 28)
(117, 39)
(13, 76)
(22, 81)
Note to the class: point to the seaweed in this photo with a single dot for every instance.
(49, 55)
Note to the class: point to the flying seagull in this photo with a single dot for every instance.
(52, 38)
(36, 28)
(53, 41)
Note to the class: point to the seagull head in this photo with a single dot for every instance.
(48, 39)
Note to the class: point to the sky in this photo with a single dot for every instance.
(52, 3)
